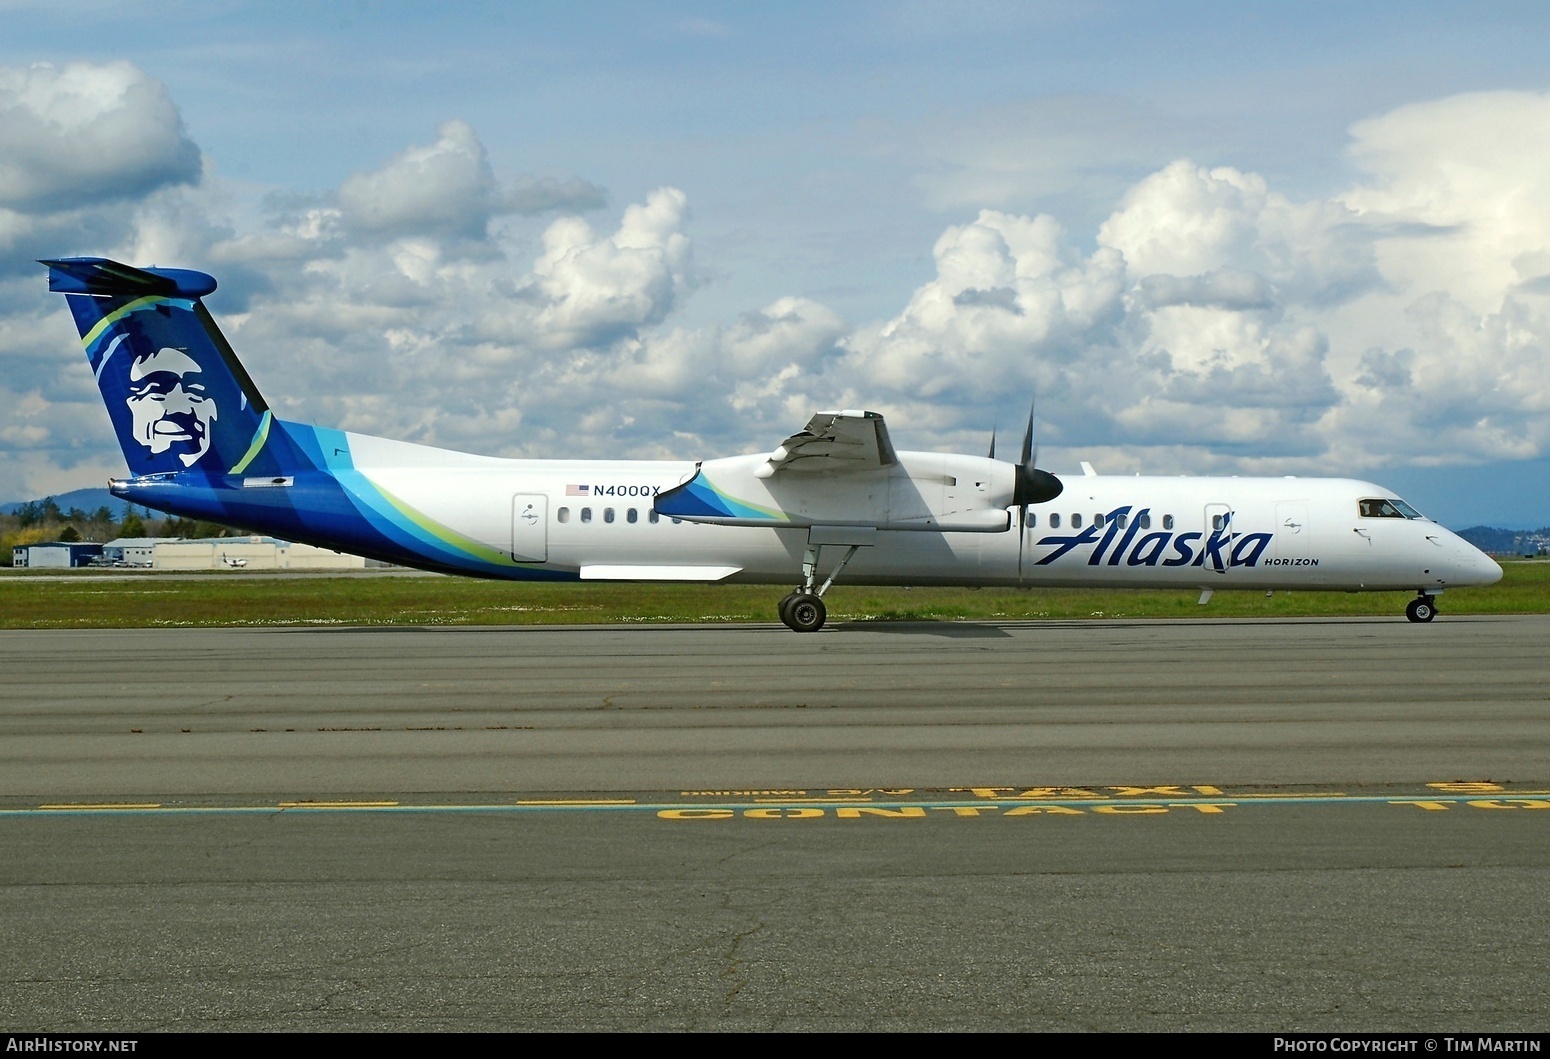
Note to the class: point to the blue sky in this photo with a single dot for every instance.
(1215, 238)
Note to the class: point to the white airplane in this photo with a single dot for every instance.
(834, 497)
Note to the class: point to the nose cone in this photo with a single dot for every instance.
(1475, 567)
(1487, 570)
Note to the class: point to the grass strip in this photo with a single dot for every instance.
(89, 601)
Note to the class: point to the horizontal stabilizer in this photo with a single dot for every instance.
(98, 275)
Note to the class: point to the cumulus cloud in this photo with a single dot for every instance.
(412, 335)
(82, 149)
(88, 133)
(1186, 220)
(1470, 176)
(1450, 359)
(1009, 298)
(593, 290)
(448, 189)
(445, 188)
(1141, 342)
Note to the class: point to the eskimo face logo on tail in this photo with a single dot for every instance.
(170, 406)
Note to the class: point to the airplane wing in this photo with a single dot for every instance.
(834, 441)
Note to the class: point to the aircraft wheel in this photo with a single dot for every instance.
(784, 609)
(805, 613)
(1421, 608)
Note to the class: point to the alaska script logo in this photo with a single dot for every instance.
(1221, 549)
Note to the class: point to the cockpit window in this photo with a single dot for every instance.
(1380, 507)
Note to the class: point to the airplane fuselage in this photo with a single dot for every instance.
(596, 520)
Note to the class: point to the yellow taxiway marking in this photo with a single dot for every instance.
(104, 805)
(581, 801)
(337, 805)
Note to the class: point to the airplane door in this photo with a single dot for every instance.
(530, 527)
(1218, 522)
(1292, 531)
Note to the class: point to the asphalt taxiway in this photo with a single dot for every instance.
(1317, 824)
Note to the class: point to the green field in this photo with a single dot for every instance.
(85, 600)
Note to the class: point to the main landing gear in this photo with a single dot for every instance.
(1422, 608)
(803, 609)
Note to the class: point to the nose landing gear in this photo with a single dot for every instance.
(1422, 608)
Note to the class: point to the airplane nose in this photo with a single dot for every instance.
(1476, 567)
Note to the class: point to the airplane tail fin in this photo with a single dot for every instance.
(177, 395)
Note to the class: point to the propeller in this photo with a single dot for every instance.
(1031, 485)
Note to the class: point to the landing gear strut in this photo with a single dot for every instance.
(803, 609)
(1421, 608)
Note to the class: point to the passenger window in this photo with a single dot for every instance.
(1144, 520)
(1167, 522)
(1054, 520)
(1033, 519)
(1076, 521)
(630, 515)
(652, 517)
(1378, 509)
(586, 514)
(1120, 520)
(608, 514)
(1218, 521)
(1098, 520)
(562, 515)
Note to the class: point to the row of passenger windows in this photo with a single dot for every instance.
(1369, 509)
(630, 515)
(1143, 520)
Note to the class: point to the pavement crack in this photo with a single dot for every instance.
(735, 959)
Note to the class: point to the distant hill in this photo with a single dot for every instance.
(1508, 542)
(88, 500)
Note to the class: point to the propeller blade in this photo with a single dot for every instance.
(1027, 460)
(992, 442)
(1033, 485)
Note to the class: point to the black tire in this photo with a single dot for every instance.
(1421, 609)
(805, 613)
(784, 608)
